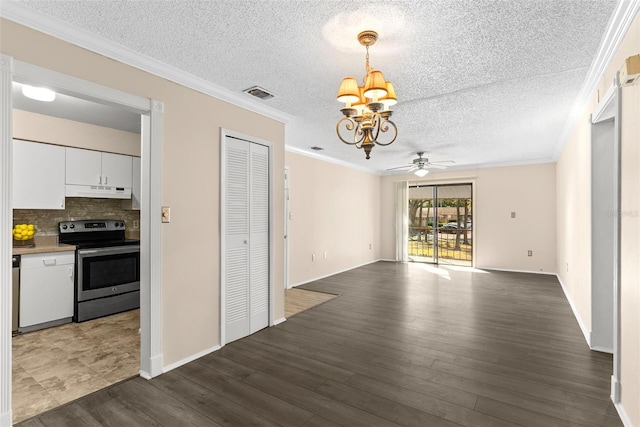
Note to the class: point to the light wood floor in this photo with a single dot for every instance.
(57, 365)
(297, 300)
(404, 344)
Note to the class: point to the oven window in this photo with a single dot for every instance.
(110, 270)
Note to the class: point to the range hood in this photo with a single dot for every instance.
(98, 191)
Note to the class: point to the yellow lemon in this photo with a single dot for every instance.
(30, 227)
(30, 233)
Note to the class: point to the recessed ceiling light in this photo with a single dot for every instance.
(38, 93)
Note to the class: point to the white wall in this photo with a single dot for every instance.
(574, 222)
(53, 130)
(190, 183)
(334, 209)
(500, 241)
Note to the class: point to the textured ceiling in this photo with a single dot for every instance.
(478, 81)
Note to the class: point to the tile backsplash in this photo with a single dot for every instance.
(46, 220)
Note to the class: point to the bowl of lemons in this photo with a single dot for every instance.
(23, 235)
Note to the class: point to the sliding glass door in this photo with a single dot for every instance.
(422, 225)
(440, 224)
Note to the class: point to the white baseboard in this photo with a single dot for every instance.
(601, 349)
(191, 358)
(278, 321)
(623, 415)
(6, 419)
(615, 389)
(549, 273)
(583, 328)
(156, 368)
(334, 273)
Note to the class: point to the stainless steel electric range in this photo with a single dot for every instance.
(107, 271)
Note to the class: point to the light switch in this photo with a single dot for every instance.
(166, 214)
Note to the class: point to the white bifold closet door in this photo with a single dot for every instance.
(247, 238)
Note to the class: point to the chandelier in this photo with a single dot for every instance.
(367, 107)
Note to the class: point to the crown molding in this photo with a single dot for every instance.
(327, 159)
(621, 19)
(57, 28)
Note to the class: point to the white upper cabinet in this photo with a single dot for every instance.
(117, 170)
(87, 167)
(84, 167)
(38, 175)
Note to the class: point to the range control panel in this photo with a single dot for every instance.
(91, 225)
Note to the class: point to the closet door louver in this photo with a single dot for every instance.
(247, 238)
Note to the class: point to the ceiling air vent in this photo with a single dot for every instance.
(317, 148)
(258, 92)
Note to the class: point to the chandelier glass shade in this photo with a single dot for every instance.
(367, 107)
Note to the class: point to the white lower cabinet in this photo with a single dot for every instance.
(46, 289)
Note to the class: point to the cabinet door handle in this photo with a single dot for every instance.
(49, 261)
(71, 273)
(105, 179)
(100, 179)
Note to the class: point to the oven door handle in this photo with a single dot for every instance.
(111, 250)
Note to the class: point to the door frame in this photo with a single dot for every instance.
(286, 226)
(151, 363)
(224, 133)
(610, 108)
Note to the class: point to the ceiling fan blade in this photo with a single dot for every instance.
(442, 161)
(432, 166)
(400, 167)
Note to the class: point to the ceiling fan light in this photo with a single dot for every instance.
(38, 93)
(389, 99)
(421, 172)
(375, 86)
(348, 92)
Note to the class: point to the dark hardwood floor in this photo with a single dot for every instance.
(403, 344)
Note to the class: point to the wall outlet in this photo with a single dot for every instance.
(529, 252)
(136, 224)
(324, 255)
(369, 246)
(567, 267)
(313, 257)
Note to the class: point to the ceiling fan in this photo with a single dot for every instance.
(421, 165)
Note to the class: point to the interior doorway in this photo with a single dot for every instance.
(605, 230)
(151, 112)
(440, 223)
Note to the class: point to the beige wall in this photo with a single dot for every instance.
(334, 209)
(574, 243)
(190, 182)
(53, 130)
(500, 241)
